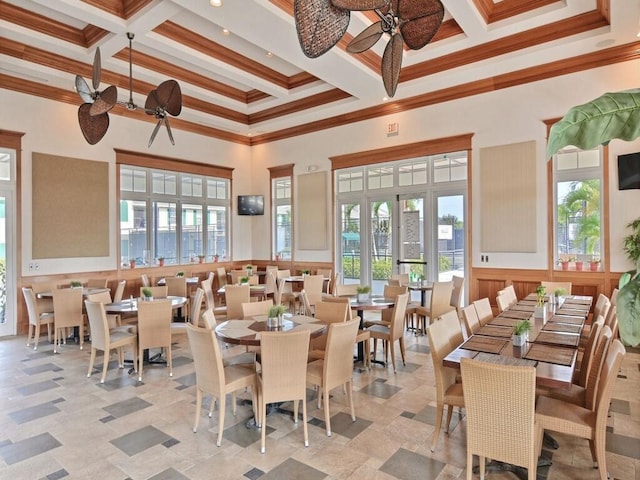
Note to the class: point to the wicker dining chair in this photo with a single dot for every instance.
(363, 336)
(448, 392)
(235, 296)
(568, 418)
(67, 313)
(328, 312)
(160, 291)
(37, 318)
(438, 305)
(283, 375)
(483, 310)
(154, 330)
(336, 368)
(500, 402)
(105, 339)
(251, 309)
(215, 379)
(471, 320)
(392, 333)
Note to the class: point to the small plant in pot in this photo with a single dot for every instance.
(161, 261)
(594, 263)
(132, 263)
(180, 274)
(541, 309)
(557, 294)
(147, 294)
(201, 258)
(520, 333)
(305, 271)
(76, 284)
(274, 316)
(363, 292)
(244, 280)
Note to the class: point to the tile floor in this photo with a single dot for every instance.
(57, 423)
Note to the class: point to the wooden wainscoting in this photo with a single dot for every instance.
(486, 282)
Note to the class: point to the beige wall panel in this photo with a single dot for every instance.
(508, 198)
(70, 207)
(312, 211)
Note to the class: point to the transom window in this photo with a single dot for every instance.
(172, 215)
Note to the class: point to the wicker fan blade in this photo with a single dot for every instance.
(420, 20)
(366, 39)
(166, 122)
(155, 132)
(93, 127)
(97, 69)
(152, 104)
(359, 4)
(170, 97)
(319, 24)
(82, 87)
(105, 101)
(391, 64)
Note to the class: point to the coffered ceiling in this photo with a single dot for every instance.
(245, 79)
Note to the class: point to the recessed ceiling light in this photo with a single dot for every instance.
(215, 3)
(225, 31)
(385, 99)
(269, 54)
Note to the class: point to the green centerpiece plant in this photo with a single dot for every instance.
(147, 294)
(541, 309)
(75, 284)
(521, 332)
(363, 292)
(274, 316)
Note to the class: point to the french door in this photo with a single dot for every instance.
(421, 234)
(8, 292)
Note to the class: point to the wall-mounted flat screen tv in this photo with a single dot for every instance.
(629, 171)
(250, 204)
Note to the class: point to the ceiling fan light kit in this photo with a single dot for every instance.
(322, 23)
(93, 115)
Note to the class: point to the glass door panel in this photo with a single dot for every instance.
(7, 279)
(450, 237)
(381, 243)
(411, 255)
(349, 243)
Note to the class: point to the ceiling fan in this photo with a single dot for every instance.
(93, 114)
(322, 23)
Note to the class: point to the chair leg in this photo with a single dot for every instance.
(91, 360)
(436, 432)
(198, 407)
(449, 413)
(391, 346)
(327, 415)
(304, 421)
(350, 398)
(221, 409)
(263, 416)
(105, 365)
(296, 406)
(169, 361)
(469, 464)
(402, 351)
(140, 362)
(29, 334)
(36, 338)
(234, 405)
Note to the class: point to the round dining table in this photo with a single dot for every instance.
(248, 331)
(131, 305)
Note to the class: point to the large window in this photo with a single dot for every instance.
(176, 216)
(281, 188)
(578, 212)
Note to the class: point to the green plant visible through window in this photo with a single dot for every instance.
(579, 217)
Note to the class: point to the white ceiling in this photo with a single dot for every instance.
(260, 26)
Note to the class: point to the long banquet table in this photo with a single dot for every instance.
(551, 347)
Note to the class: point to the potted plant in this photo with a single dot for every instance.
(305, 271)
(132, 263)
(249, 270)
(557, 294)
(161, 261)
(147, 294)
(520, 333)
(76, 284)
(244, 280)
(363, 292)
(274, 316)
(216, 257)
(564, 261)
(421, 277)
(579, 265)
(594, 263)
(628, 300)
(201, 258)
(541, 309)
(180, 274)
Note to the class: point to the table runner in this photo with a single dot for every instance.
(577, 301)
(481, 343)
(551, 354)
(523, 307)
(502, 360)
(572, 311)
